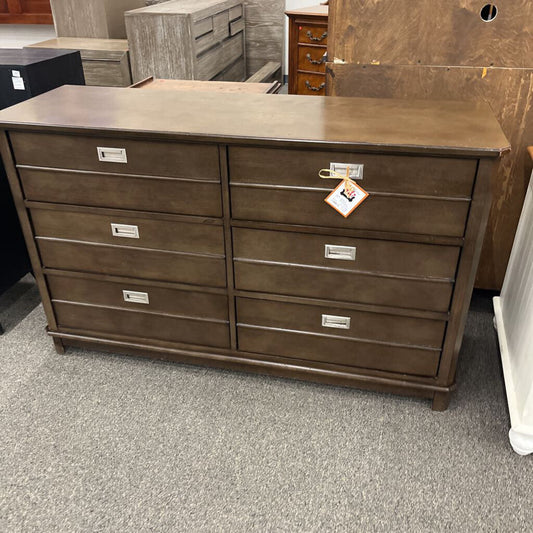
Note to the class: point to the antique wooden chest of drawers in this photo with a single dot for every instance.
(188, 39)
(308, 47)
(105, 62)
(204, 237)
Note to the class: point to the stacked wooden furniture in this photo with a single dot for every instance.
(208, 86)
(188, 39)
(24, 74)
(105, 61)
(308, 41)
(204, 237)
(481, 52)
(25, 12)
(98, 19)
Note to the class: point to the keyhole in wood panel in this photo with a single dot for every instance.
(488, 12)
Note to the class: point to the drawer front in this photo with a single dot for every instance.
(107, 73)
(343, 286)
(123, 192)
(429, 176)
(128, 231)
(180, 160)
(132, 262)
(220, 31)
(220, 57)
(311, 84)
(380, 213)
(312, 34)
(141, 325)
(144, 297)
(312, 58)
(356, 255)
(329, 349)
(330, 320)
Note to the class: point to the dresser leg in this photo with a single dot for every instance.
(59, 346)
(441, 400)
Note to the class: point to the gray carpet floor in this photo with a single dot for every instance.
(93, 442)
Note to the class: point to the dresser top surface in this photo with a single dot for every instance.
(360, 123)
(28, 56)
(83, 43)
(185, 7)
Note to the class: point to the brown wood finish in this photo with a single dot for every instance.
(308, 41)
(216, 86)
(162, 300)
(375, 326)
(122, 191)
(376, 256)
(409, 214)
(448, 177)
(25, 12)
(143, 263)
(405, 294)
(394, 32)
(145, 158)
(510, 94)
(153, 233)
(136, 323)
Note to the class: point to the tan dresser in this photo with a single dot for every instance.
(308, 47)
(188, 39)
(204, 237)
(105, 61)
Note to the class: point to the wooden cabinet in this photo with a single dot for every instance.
(197, 40)
(105, 62)
(25, 12)
(308, 47)
(95, 19)
(204, 237)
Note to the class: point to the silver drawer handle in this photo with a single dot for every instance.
(112, 155)
(124, 230)
(338, 322)
(344, 253)
(355, 169)
(136, 297)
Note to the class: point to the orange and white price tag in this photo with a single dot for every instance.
(347, 196)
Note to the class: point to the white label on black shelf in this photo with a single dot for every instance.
(18, 84)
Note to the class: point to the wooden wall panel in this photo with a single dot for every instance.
(432, 32)
(510, 94)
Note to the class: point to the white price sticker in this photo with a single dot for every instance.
(346, 197)
(18, 84)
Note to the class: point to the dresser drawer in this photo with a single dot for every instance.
(313, 34)
(133, 323)
(345, 253)
(165, 195)
(331, 320)
(135, 232)
(140, 297)
(311, 84)
(379, 212)
(419, 175)
(181, 160)
(312, 58)
(196, 269)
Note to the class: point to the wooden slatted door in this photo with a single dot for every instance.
(25, 12)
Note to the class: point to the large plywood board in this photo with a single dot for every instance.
(431, 32)
(509, 92)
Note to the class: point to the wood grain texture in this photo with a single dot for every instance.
(264, 33)
(509, 92)
(206, 86)
(25, 12)
(432, 33)
(364, 124)
(184, 40)
(102, 19)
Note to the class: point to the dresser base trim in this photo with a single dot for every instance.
(283, 368)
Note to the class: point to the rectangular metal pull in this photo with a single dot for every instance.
(355, 172)
(124, 230)
(136, 297)
(345, 253)
(112, 155)
(338, 322)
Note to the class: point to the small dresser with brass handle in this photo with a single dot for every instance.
(308, 47)
(156, 230)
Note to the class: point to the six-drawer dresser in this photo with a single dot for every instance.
(193, 227)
